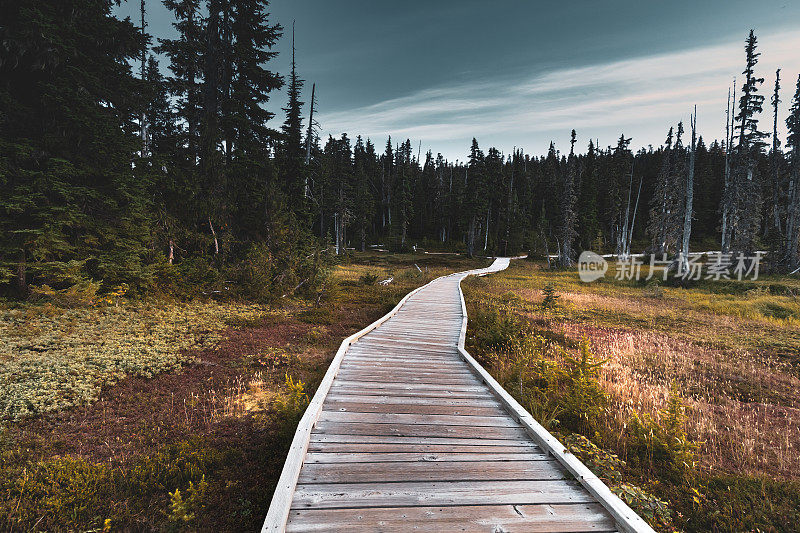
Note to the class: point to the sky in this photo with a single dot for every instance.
(522, 73)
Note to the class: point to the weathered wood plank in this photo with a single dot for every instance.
(407, 364)
(410, 408)
(431, 379)
(407, 472)
(335, 397)
(421, 430)
(333, 496)
(433, 391)
(361, 385)
(463, 375)
(383, 448)
(394, 418)
(572, 518)
(411, 457)
(395, 439)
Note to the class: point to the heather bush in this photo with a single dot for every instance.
(53, 358)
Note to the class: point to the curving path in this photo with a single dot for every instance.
(407, 432)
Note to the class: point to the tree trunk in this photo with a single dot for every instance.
(214, 233)
(793, 217)
(336, 231)
(727, 192)
(633, 218)
(776, 219)
(143, 117)
(471, 236)
(687, 215)
(171, 251)
(624, 236)
(486, 232)
(22, 268)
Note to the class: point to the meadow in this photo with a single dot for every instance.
(172, 414)
(691, 391)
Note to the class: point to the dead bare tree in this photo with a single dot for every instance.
(727, 195)
(687, 214)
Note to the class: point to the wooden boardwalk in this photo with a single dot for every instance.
(407, 432)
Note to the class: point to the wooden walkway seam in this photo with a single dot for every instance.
(408, 432)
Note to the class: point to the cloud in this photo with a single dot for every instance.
(642, 96)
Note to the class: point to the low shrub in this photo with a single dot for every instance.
(745, 503)
(71, 493)
(557, 387)
(661, 444)
(182, 511)
(316, 315)
(53, 361)
(368, 278)
(550, 300)
(608, 467)
(290, 406)
(84, 293)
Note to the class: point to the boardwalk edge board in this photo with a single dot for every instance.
(626, 518)
(278, 513)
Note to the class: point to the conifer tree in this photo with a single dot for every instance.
(621, 169)
(72, 207)
(775, 158)
(387, 184)
(474, 194)
(587, 222)
(567, 229)
(403, 195)
(293, 152)
(744, 182)
(793, 201)
(362, 198)
(184, 63)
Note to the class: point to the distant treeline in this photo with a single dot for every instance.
(113, 174)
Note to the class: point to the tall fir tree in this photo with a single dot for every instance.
(792, 257)
(568, 215)
(72, 207)
(292, 149)
(744, 182)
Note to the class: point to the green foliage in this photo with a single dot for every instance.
(662, 444)
(50, 358)
(654, 289)
(745, 503)
(550, 300)
(290, 406)
(649, 507)
(368, 278)
(183, 511)
(604, 464)
(316, 315)
(495, 329)
(82, 294)
(556, 386)
(71, 493)
(608, 467)
(71, 202)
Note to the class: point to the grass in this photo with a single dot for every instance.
(160, 415)
(732, 352)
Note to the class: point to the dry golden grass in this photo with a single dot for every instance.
(734, 360)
